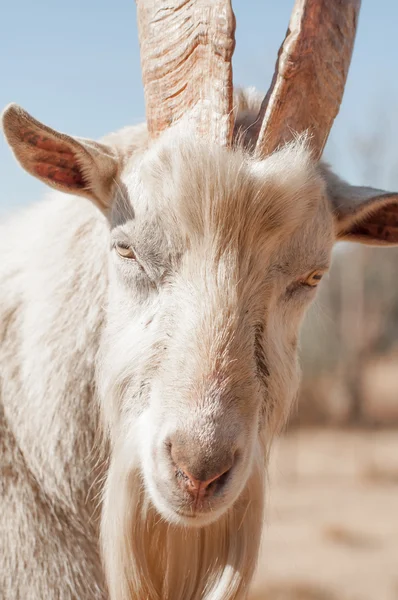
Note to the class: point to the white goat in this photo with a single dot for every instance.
(175, 296)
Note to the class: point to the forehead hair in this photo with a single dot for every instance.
(204, 191)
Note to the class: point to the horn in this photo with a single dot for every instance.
(310, 74)
(186, 51)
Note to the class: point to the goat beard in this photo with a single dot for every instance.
(147, 558)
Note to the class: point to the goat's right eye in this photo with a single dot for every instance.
(125, 251)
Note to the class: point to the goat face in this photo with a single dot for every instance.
(214, 257)
(214, 260)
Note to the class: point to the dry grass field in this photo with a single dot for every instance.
(332, 521)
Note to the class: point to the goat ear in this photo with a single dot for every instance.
(72, 165)
(362, 214)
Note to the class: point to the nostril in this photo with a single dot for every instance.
(223, 478)
(219, 479)
(169, 447)
(200, 487)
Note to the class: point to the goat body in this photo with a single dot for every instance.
(87, 346)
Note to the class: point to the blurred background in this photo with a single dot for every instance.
(332, 521)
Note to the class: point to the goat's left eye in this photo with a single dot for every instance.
(312, 279)
(125, 251)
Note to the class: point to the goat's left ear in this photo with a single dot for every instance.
(70, 164)
(362, 214)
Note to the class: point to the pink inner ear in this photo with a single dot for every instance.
(382, 225)
(64, 176)
(43, 142)
(53, 160)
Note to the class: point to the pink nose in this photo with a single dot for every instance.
(198, 488)
(200, 473)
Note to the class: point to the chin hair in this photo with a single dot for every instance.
(147, 555)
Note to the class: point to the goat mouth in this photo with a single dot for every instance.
(200, 513)
(197, 520)
(196, 512)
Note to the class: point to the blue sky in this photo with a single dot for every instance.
(75, 66)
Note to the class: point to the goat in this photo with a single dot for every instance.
(149, 335)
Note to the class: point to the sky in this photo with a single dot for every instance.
(75, 66)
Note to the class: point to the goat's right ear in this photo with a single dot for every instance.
(362, 214)
(70, 164)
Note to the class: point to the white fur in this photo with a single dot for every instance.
(179, 350)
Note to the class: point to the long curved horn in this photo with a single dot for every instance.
(310, 75)
(186, 52)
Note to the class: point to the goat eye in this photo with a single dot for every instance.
(312, 279)
(125, 251)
